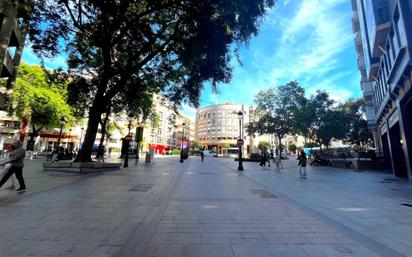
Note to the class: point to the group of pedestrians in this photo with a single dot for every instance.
(268, 156)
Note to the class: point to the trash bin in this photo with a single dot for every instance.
(149, 155)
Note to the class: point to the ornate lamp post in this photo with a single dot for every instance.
(62, 122)
(126, 158)
(70, 138)
(181, 142)
(240, 167)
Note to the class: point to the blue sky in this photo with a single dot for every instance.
(306, 40)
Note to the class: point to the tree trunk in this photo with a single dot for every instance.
(30, 142)
(330, 160)
(91, 131)
(280, 146)
(104, 124)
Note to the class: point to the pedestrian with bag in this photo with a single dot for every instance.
(302, 163)
(17, 163)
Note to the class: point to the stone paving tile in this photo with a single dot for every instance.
(269, 251)
(105, 251)
(183, 238)
(164, 251)
(207, 251)
(207, 215)
(338, 251)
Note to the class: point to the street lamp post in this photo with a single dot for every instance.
(62, 122)
(126, 158)
(70, 138)
(240, 167)
(181, 142)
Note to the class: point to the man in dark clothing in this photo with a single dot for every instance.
(202, 154)
(302, 163)
(17, 163)
(264, 158)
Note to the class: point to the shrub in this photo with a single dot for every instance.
(175, 151)
(255, 156)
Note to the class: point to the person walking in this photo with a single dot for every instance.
(202, 154)
(277, 162)
(264, 158)
(6, 169)
(268, 158)
(17, 163)
(302, 163)
(101, 152)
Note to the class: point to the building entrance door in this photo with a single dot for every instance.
(386, 151)
(398, 156)
(407, 123)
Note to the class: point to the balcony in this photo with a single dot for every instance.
(367, 87)
(8, 65)
(381, 34)
(361, 62)
(355, 22)
(370, 113)
(354, 5)
(358, 42)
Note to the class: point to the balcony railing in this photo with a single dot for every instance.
(393, 62)
(355, 22)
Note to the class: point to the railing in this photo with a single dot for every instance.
(392, 53)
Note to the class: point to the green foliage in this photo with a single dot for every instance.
(36, 97)
(132, 49)
(276, 110)
(358, 132)
(175, 151)
(292, 148)
(226, 145)
(196, 145)
(264, 145)
(333, 126)
(310, 144)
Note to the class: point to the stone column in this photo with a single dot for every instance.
(403, 137)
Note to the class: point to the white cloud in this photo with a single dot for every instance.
(308, 48)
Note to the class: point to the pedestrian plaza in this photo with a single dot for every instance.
(207, 209)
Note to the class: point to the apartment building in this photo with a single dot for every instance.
(383, 37)
(217, 126)
(14, 18)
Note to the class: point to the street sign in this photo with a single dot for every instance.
(240, 142)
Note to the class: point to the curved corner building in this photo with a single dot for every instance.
(217, 126)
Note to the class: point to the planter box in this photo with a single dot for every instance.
(80, 167)
(359, 164)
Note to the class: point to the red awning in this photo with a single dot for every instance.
(49, 135)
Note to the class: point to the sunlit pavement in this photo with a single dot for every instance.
(206, 209)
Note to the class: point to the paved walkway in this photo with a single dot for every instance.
(206, 209)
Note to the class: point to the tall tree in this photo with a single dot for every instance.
(358, 132)
(276, 109)
(37, 98)
(131, 47)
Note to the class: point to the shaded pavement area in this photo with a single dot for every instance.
(206, 209)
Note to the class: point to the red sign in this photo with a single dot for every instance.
(240, 142)
(128, 138)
